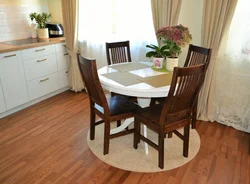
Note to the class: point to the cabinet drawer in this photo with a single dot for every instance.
(38, 51)
(63, 78)
(61, 47)
(62, 60)
(40, 66)
(42, 86)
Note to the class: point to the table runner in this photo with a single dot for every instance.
(129, 67)
(125, 78)
(158, 80)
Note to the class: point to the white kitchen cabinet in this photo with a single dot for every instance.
(2, 101)
(13, 79)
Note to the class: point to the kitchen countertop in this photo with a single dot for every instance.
(12, 47)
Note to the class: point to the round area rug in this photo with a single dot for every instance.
(123, 155)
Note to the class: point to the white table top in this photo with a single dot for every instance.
(138, 90)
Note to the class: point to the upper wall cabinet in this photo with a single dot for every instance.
(13, 79)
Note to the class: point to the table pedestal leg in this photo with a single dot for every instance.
(144, 102)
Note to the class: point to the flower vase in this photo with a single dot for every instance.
(158, 62)
(171, 63)
(33, 30)
(43, 33)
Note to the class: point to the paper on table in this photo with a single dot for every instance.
(125, 78)
(129, 67)
(158, 80)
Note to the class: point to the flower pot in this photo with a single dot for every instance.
(171, 63)
(43, 33)
(158, 62)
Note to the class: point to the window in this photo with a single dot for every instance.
(116, 20)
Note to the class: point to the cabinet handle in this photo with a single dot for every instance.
(41, 60)
(66, 54)
(10, 56)
(39, 50)
(67, 72)
(44, 80)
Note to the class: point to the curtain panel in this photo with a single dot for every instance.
(70, 21)
(165, 12)
(232, 96)
(217, 17)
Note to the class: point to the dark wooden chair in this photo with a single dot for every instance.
(118, 52)
(175, 112)
(112, 109)
(196, 55)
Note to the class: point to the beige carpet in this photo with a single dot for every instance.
(122, 154)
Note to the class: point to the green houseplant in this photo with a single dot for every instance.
(159, 54)
(41, 20)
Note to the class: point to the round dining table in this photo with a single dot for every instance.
(138, 88)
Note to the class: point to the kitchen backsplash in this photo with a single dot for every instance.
(15, 22)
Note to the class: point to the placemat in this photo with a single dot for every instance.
(125, 78)
(129, 67)
(158, 80)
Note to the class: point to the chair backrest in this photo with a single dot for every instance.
(185, 86)
(197, 55)
(118, 52)
(91, 80)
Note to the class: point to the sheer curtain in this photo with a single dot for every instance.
(232, 95)
(115, 20)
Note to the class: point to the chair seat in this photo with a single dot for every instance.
(153, 114)
(118, 105)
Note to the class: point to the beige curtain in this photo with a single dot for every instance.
(165, 12)
(70, 22)
(217, 17)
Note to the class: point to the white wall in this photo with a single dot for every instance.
(191, 17)
(55, 7)
(14, 17)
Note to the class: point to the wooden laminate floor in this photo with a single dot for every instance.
(46, 143)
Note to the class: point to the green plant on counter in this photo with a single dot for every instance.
(40, 19)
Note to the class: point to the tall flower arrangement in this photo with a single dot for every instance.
(175, 37)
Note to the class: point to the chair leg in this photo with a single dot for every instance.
(170, 134)
(92, 124)
(106, 137)
(136, 133)
(161, 150)
(118, 123)
(194, 115)
(186, 140)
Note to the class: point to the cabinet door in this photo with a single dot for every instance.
(2, 102)
(63, 79)
(13, 79)
(62, 60)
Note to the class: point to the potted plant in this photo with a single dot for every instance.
(158, 54)
(174, 37)
(41, 20)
